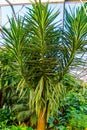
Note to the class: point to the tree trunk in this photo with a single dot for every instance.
(41, 125)
(1, 98)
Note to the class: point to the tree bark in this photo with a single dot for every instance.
(1, 98)
(41, 125)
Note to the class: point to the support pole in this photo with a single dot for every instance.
(0, 16)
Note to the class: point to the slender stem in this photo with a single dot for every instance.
(64, 13)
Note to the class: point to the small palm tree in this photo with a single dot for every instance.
(43, 54)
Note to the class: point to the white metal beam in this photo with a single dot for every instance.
(0, 16)
(19, 2)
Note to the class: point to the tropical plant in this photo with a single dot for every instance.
(9, 96)
(43, 54)
(7, 77)
(7, 117)
(72, 113)
(20, 127)
(78, 120)
(75, 32)
(20, 108)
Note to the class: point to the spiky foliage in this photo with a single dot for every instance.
(5, 69)
(75, 33)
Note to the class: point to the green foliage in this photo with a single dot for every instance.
(78, 119)
(9, 80)
(6, 117)
(73, 110)
(8, 77)
(22, 114)
(55, 123)
(34, 42)
(13, 127)
(76, 108)
(71, 82)
(76, 27)
(20, 128)
(75, 32)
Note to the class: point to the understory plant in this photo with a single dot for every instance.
(7, 117)
(20, 127)
(72, 113)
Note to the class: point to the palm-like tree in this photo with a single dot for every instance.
(75, 32)
(43, 54)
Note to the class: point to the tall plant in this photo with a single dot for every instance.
(43, 54)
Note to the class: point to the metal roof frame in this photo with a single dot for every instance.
(25, 2)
